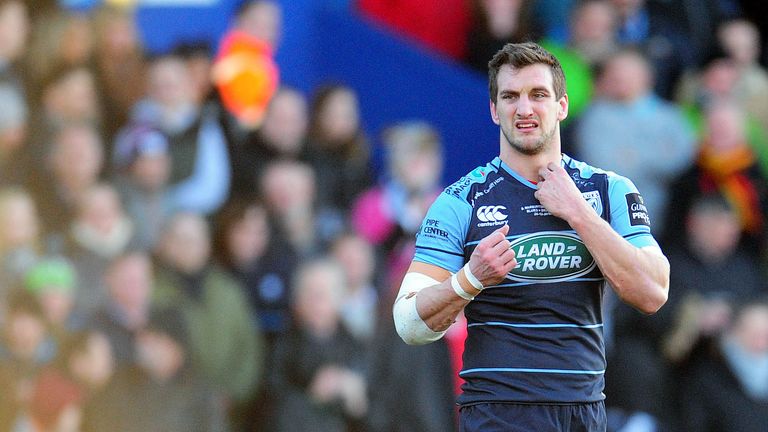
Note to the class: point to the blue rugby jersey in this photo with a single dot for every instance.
(537, 337)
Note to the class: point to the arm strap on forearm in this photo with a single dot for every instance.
(409, 325)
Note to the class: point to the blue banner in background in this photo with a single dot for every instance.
(165, 24)
(324, 42)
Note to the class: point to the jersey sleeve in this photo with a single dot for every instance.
(629, 216)
(440, 240)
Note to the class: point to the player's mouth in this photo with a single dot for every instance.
(526, 125)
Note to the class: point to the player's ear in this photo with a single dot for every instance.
(562, 112)
(494, 114)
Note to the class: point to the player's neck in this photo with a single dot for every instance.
(528, 165)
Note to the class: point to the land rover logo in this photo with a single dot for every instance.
(550, 256)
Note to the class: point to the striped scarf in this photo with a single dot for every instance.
(728, 172)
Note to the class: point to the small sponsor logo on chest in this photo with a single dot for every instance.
(491, 215)
(550, 256)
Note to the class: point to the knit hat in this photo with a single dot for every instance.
(50, 273)
(138, 140)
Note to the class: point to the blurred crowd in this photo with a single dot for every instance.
(169, 264)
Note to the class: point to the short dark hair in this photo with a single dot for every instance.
(519, 55)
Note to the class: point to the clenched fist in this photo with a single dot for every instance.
(492, 259)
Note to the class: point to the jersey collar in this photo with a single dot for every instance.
(509, 172)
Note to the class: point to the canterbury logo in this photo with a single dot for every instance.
(491, 213)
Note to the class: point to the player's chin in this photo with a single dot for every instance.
(528, 147)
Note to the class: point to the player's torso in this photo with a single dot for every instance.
(537, 336)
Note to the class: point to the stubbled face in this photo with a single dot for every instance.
(526, 109)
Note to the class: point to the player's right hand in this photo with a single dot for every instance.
(492, 259)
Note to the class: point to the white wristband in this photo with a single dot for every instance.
(472, 279)
(459, 290)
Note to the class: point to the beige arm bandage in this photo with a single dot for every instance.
(411, 328)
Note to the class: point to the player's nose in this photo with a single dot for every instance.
(524, 107)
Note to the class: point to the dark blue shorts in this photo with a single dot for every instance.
(510, 417)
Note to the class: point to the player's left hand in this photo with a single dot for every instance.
(558, 193)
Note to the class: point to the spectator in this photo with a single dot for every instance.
(25, 349)
(245, 72)
(726, 165)
(338, 149)
(21, 242)
(56, 405)
(551, 18)
(59, 39)
(199, 61)
(68, 95)
(289, 189)
(282, 135)
(715, 79)
(224, 345)
(284, 130)
(14, 30)
(593, 31)
(14, 163)
(740, 40)
(64, 390)
(54, 282)
(730, 72)
(262, 19)
(72, 166)
(727, 390)
(99, 232)
(494, 24)
(129, 282)
(627, 127)
(416, 382)
(143, 165)
(360, 304)
(119, 63)
(592, 39)
(319, 364)
(253, 252)
(647, 26)
(160, 392)
(394, 209)
(200, 169)
(711, 276)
